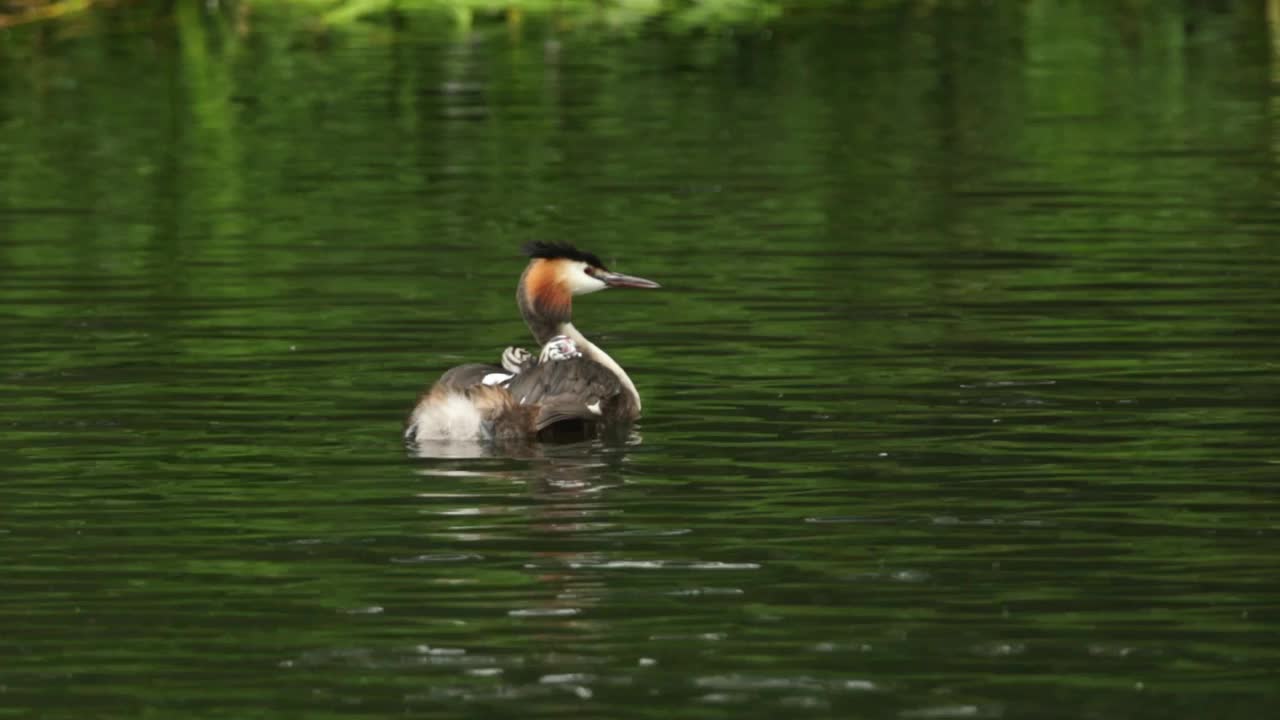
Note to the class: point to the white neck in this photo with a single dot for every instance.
(595, 353)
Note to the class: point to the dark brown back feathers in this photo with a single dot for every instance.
(580, 389)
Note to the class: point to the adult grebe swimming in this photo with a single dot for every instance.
(572, 386)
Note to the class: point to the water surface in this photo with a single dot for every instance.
(960, 394)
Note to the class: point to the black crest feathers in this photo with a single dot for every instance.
(553, 251)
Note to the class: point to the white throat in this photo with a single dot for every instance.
(595, 353)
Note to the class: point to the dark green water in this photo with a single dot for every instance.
(961, 393)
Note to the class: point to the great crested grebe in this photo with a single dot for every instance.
(572, 385)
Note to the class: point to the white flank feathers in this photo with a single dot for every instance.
(453, 418)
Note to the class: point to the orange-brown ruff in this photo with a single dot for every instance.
(572, 388)
(545, 287)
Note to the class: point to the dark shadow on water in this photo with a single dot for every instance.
(569, 446)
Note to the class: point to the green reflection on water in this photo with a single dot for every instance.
(960, 389)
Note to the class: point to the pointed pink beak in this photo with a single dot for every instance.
(613, 279)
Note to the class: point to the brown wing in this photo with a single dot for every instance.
(458, 379)
(571, 390)
(501, 416)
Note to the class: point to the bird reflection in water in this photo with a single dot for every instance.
(569, 488)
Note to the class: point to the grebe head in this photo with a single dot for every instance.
(578, 271)
(557, 272)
